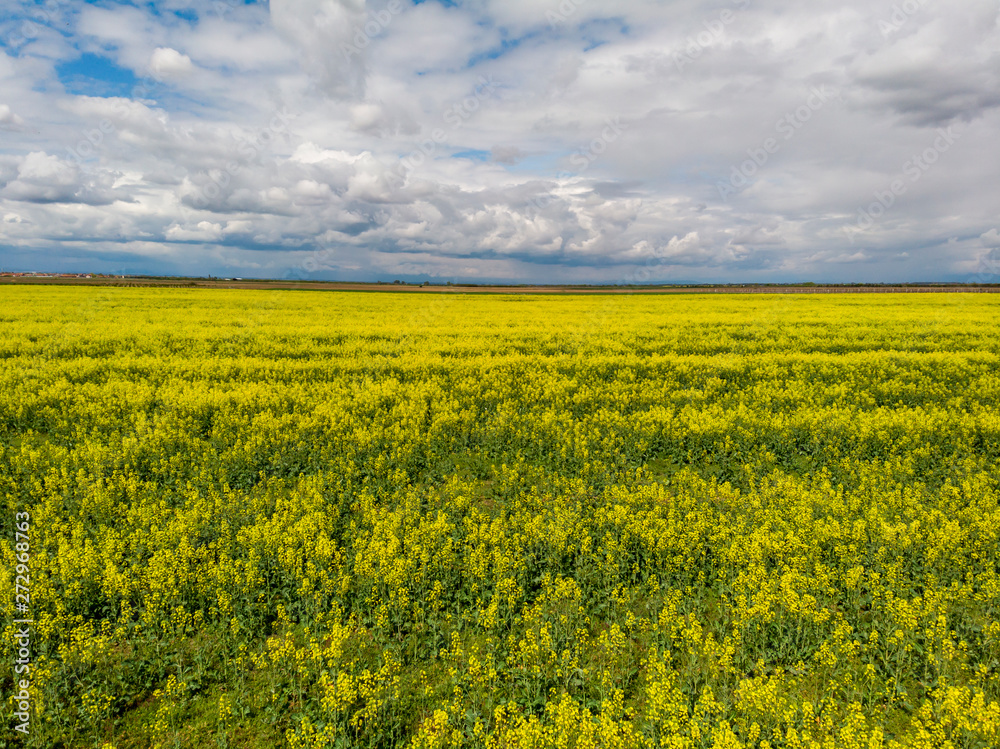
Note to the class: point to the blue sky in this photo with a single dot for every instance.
(94, 75)
(579, 141)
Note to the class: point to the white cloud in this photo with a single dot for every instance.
(44, 178)
(856, 257)
(203, 231)
(331, 127)
(169, 63)
(9, 120)
(324, 32)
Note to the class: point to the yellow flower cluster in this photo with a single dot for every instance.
(349, 520)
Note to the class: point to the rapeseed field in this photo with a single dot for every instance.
(263, 519)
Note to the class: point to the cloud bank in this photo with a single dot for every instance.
(575, 141)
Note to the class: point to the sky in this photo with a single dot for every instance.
(512, 141)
